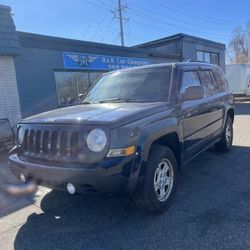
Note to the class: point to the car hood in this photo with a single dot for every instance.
(113, 114)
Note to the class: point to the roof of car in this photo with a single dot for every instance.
(163, 65)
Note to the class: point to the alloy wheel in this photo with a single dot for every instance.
(163, 180)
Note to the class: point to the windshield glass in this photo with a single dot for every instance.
(145, 85)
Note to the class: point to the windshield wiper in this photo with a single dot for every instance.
(120, 100)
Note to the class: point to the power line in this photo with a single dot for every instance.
(127, 27)
(117, 36)
(155, 28)
(186, 22)
(90, 24)
(118, 10)
(210, 34)
(96, 5)
(216, 7)
(159, 15)
(75, 14)
(102, 34)
(187, 12)
(148, 16)
(110, 34)
(141, 14)
(99, 28)
(105, 4)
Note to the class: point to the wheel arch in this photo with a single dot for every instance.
(171, 140)
(230, 113)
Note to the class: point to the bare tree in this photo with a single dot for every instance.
(239, 46)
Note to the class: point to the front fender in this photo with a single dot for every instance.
(155, 131)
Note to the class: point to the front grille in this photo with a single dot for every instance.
(51, 144)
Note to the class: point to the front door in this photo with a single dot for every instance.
(193, 117)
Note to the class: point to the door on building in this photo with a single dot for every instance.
(70, 84)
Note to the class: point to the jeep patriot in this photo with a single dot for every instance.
(130, 134)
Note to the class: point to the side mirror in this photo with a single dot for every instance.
(192, 93)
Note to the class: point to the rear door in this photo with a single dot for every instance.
(214, 96)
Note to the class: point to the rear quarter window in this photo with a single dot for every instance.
(221, 80)
(208, 82)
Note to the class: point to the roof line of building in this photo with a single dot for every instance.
(174, 37)
(39, 37)
(5, 7)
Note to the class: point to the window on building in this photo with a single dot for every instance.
(207, 57)
(203, 56)
(190, 78)
(214, 59)
(200, 56)
(70, 84)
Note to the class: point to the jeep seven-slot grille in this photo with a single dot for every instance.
(51, 144)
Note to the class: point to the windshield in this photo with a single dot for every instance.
(145, 85)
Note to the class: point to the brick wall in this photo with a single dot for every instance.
(9, 99)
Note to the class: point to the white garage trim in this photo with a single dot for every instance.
(9, 99)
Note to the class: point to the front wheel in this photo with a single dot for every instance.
(159, 182)
(226, 141)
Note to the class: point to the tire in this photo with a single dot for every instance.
(226, 141)
(149, 197)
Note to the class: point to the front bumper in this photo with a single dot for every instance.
(111, 176)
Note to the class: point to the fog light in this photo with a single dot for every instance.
(22, 178)
(71, 188)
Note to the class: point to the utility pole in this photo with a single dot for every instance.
(117, 12)
(121, 22)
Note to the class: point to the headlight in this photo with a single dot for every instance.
(96, 140)
(20, 135)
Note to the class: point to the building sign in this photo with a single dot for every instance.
(101, 62)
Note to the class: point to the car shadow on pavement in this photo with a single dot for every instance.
(70, 218)
(213, 198)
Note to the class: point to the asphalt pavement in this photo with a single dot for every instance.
(211, 210)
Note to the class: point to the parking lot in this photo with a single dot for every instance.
(210, 210)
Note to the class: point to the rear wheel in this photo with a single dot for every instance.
(159, 182)
(226, 141)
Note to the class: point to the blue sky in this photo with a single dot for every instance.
(92, 20)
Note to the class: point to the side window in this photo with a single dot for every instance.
(208, 82)
(220, 79)
(189, 78)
